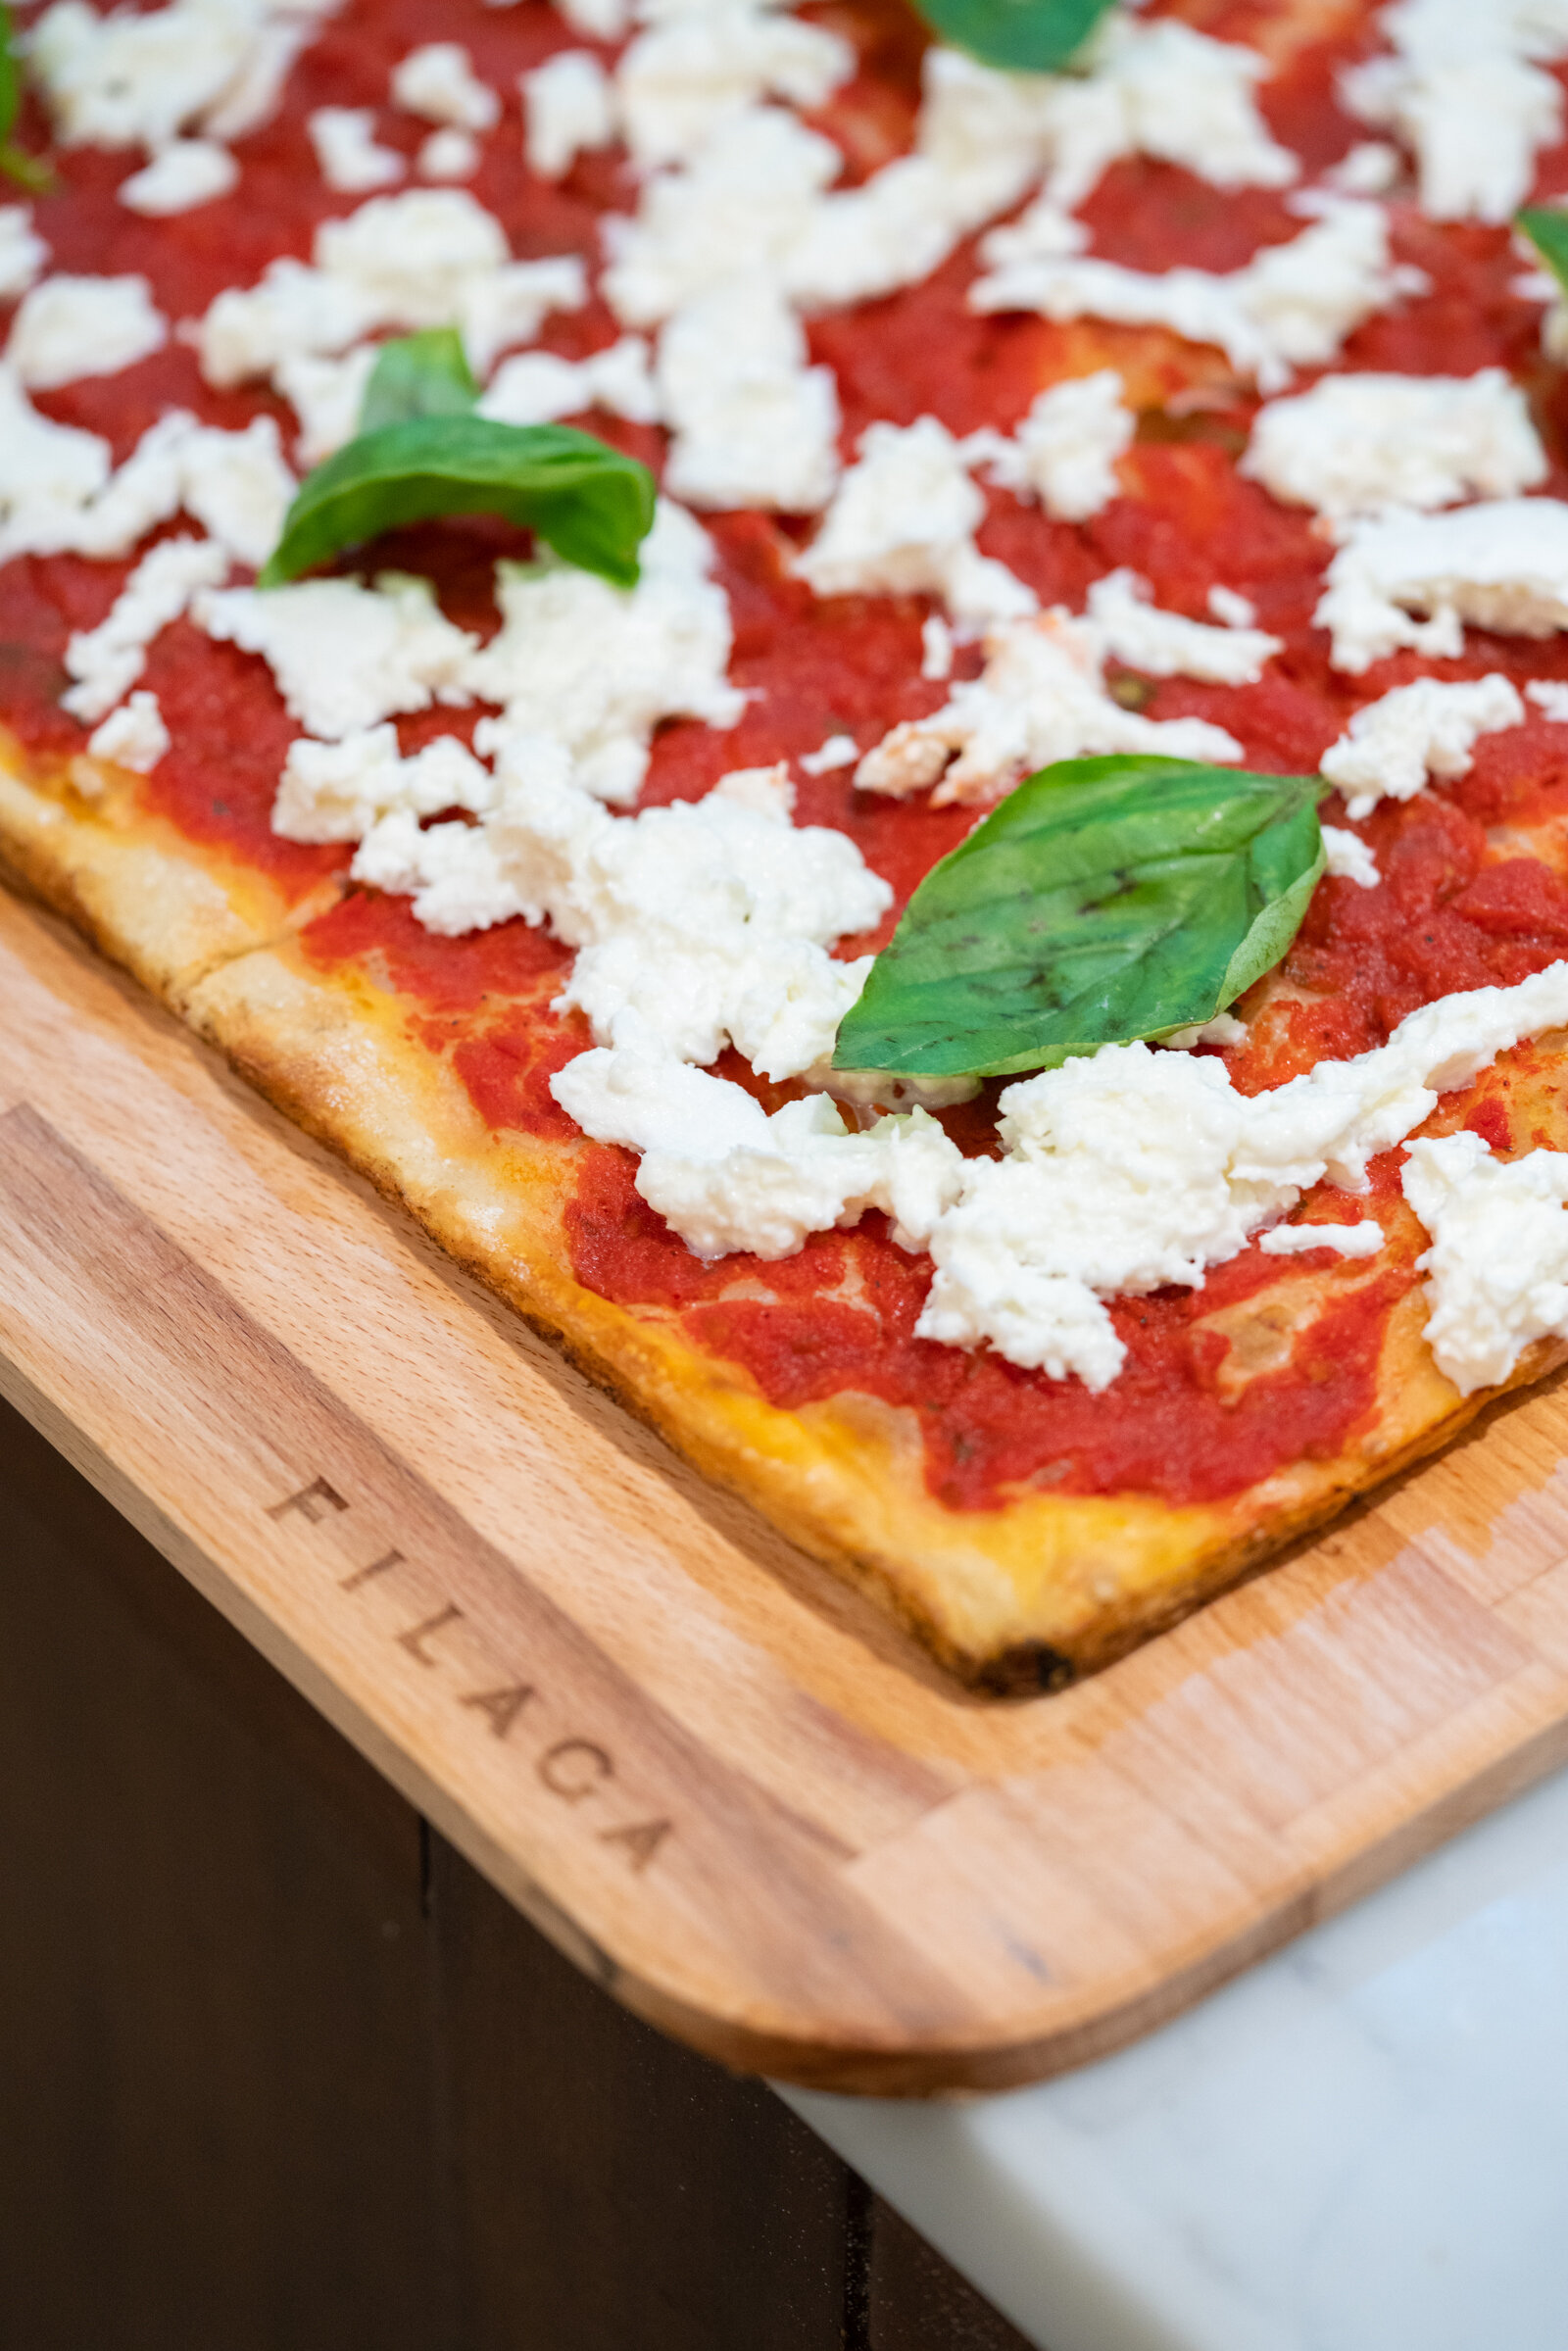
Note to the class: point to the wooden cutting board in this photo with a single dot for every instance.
(718, 1780)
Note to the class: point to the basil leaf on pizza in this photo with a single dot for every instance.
(584, 499)
(1027, 37)
(418, 376)
(1106, 900)
(27, 169)
(1546, 227)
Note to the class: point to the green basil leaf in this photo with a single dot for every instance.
(27, 169)
(589, 503)
(1106, 900)
(10, 78)
(1548, 230)
(1029, 36)
(418, 376)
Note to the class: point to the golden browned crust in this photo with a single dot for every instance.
(1021, 1596)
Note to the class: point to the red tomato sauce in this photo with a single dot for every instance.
(1461, 905)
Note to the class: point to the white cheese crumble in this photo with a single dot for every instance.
(936, 648)
(1498, 1268)
(134, 736)
(568, 110)
(1363, 1240)
(1550, 697)
(449, 155)
(839, 750)
(1134, 630)
(23, 252)
(536, 387)
(67, 327)
(1503, 565)
(345, 656)
(337, 790)
(326, 395)
(1356, 444)
(449, 869)
(708, 922)
(1429, 728)
(753, 425)
(595, 20)
(106, 660)
(1040, 698)
(903, 523)
(684, 75)
(1461, 89)
(438, 81)
(726, 1176)
(595, 669)
(1347, 858)
(348, 154)
(47, 470)
(432, 257)
(1064, 451)
(137, 79)
(1130, 1169)
(184, 173)
(1291, 306)
(1231, 608)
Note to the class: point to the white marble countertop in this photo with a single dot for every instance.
(1361, 2145)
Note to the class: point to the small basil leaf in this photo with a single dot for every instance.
(1106, 899)
(1029, 36)
(418, 376)
(1546, 227)
(25, 168)
(589, 503)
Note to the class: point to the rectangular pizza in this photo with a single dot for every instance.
(879, 707)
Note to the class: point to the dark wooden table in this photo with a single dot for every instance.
(278, 2070)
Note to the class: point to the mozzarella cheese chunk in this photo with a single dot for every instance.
(326, 395)
(439, 82)
(134, 736)
(726, 1176)
(1429, 728)
(129, 79)
(181, 175)
(23, 252)
(347, 152)
(1130, 1169)
(450, 870)
(570, 110)
(1363, 1240)
(1134, 630)
(1348, 858)
(108, 659)
(1503, 565)
(449, 155)
(682, 77)
(1550, 697)
(1498, 1268)
(706, 921)
(67, 327)
(536, 386)
(429, 257)
(1356, 444)
(903, 523)
(48, 472)
(1462, 89)
(753, 425)
(1291, 306)
(1064, 451)
(595, 667)
(345, 656)
(338, 791)
(1040, 698)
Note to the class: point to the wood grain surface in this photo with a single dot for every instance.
(720, 1780)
